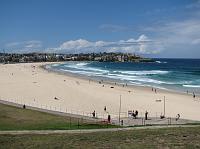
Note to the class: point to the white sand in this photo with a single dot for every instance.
(36, 87)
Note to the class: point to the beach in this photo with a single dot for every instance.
(29, 83)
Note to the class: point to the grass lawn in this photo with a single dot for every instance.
(188, 138)
(14, 118)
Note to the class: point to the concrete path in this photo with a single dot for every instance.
(89, 119)
(127, 121)
(23, 132)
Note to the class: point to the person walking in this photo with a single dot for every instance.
(109, 118)
(194, 95)
(136, 114)
(146, 115)
(93, 113)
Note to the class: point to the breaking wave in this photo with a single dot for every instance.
(168, 76)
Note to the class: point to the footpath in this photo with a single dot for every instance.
(23, 132)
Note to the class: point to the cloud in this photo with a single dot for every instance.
(180, 33)
(33, 44)
(76, 44)
(25, 46)
(142, 45)
(179, 38)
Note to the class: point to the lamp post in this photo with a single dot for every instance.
(119, 108)
(164, 105)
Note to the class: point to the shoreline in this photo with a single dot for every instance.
(37, 86)
(111, 82)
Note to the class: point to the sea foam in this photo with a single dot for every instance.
(193, 86)
(145, 72)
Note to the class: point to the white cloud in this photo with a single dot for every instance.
(179, 33)
(24, 46)
(78, 44)
(141, 45)
(33, 44)
(101, 43)
(178, 38)
(143, 38)
(129, 40)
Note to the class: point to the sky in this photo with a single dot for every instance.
(156, 28)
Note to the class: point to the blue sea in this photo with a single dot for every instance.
(180, 75)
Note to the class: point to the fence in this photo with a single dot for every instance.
(83, 114)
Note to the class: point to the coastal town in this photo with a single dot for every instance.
(53, 57)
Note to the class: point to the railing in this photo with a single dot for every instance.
(98, 115)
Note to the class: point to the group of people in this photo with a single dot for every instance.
(135, 114)
(154, 89)
(105, 110)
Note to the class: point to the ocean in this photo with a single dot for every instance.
(180, 75)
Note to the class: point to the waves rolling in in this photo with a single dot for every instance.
(164, 73)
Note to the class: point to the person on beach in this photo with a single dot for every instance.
(105, 109)
(136, 114)
(152, 89)
(146, 114)
(93, 113)
(162, 116)
(133, 114)
(177, 117)
(194, 95)
(109, 118)
(122, 122)
(155, 91)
